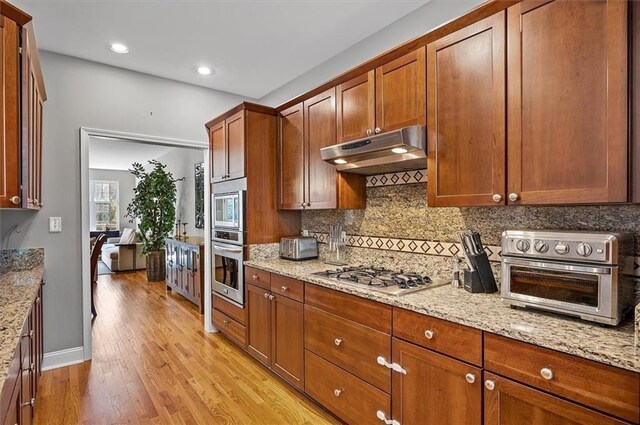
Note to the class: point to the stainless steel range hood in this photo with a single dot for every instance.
(398, 150)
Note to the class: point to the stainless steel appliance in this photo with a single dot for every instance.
(379, 279)
(228, 240)
(298, 248)
(574, 273)
(398, 150)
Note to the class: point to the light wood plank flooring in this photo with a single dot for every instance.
(153, 363)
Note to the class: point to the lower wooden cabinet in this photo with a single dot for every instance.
(507, 402)
(184, 263)
(230, 320)
(275, 332)
(434, 389)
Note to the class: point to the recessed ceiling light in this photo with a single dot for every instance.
(399, 150)
(203, 70)
(340, 161)
(118, 48)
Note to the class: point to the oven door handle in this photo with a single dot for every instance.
(556, 266)
(223, 248)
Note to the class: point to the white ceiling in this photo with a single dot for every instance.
(112, 154)
(253, 46)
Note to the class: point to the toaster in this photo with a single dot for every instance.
(298, 248)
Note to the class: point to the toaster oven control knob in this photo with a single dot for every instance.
(584, 250)
(541, 247)
(523, 245)
(562, 248)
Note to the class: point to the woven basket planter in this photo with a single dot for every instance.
(156, 271)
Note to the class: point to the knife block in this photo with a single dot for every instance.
(481, 279)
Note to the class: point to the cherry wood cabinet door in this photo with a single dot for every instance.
(436, 389)
(319, 132)
(217, 150)
(401, 92)
(287, 342)
(13, 415)
(509, 403)
(466, 98)
(234, 132)
(291, 158)
(356, 107)
(259, 325)
(567, 102)
(9, 114)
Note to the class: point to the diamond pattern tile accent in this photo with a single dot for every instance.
(392, 179)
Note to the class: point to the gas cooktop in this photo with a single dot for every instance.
(382, 280)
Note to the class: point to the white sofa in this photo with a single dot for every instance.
(120, 258)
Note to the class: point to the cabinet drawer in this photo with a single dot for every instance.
(360, 310)
(349, 345)
(348, 397)
(287, 287)
(232, 329)
(606, 388)
(257, 277)
(439, 335)
(236, 313)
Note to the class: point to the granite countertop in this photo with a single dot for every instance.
(609, 345)
(21, 271)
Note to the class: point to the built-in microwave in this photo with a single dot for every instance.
(228, 210)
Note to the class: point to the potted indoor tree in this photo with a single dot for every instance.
(153, 205)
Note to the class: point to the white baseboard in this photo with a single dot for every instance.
(62, 358)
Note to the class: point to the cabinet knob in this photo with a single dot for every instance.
(383, 417)
(308, 204)
(255, 277)
(429, 334)
(338, 341)
(496, 198)
(38, 300)
(369, 132)
(378, 130)
(284, 289)
(225, 322)
(33, 367)
(15, 200)
(266, 295)
(31, 403)
(337, 392)
(470, 377)
(489, 384)
(513, 197)
(271, 297)
(546, 373)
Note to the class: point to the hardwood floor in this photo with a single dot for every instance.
(153, 363)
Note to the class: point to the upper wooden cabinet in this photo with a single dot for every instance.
(466, 115)
(227, 148)
(567, 102)
(306, 181)
(390, 97)
(22, 95)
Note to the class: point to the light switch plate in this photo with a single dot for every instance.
(55, 224)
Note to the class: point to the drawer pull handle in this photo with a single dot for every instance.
(255, 277)
(380, 414)
(546, 373)
(393, 366)
(338, 341)
(470, 377)
(284, 288)
(490, 385)
(429, 334)
(337, 392)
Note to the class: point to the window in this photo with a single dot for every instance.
(105, 208)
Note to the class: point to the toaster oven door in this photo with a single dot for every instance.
(583, 290)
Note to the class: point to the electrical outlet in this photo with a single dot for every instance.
(55, 224)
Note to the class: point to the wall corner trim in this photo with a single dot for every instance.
(62, 358)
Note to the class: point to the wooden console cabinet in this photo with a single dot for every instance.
(185, 269)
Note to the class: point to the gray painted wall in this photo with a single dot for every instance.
(419, 22)
(126, 183)
(87, 94)
(181, 163)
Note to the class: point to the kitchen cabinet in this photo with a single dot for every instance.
(567, 102)
(227, 145)
(435, 389)
(275, 329)
(22, 94)
(230, 320)
(306, 181)
(466, 109)
(18, 393)
(390, 97)
(185, 269)
(509, 403)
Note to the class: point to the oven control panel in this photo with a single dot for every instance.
(585, 247)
